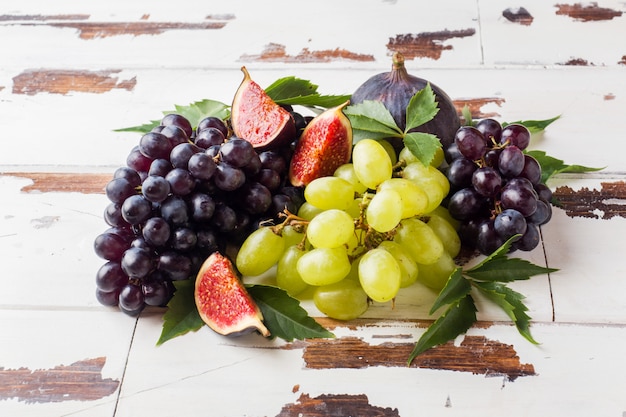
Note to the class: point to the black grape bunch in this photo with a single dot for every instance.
(497, 188)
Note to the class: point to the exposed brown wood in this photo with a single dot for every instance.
(274, 52)
(606, 203)
(475, 106)
(476, 354)
(40, 17)
(53, 81)
(63, 182)
(586, 12)
(577, 62)
(335, 405)
(518, 15)
(80, 381)
(623, 60)
(426, 44)
(609, 96)
(91, 30)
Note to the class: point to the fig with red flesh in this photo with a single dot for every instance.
(396, 88)
(223, 302)
(324, 145)
(258, 119)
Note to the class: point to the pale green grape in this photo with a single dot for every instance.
(324, 266)
(343, 300)
(414, 199)
(438, 158)
(346, 171)
(407, 156)
(390, 150)
(419, 240)
(308, 211)
(330, 228)
(435, 275)
(259, 252)
(431, 183)
(291, 236)
(408, 267)
(329, 193)
(379, 275)
(384, 211)
(287, 276)
(441, 211)
(447, 233)
(355, 208)
(371, 163)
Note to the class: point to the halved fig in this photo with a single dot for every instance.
(257, 118)
(324, 145)
(223, 302)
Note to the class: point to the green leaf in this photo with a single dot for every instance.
(423, 145)
(456, 288)
(551, 166)
(283, 315)
(457, 319)
(372, 126)
(467, 116)
(182, 315)
(194, 112)
(511, 302)
(498, 253)
(421, 108)
(505, 269)
(535, 126)
(371, 115)
(296, 91)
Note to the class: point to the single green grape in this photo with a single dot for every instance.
(408, 267)
(330, 228)
(346, 171)
(419, 240)
(384, 211)
(390, 150)
(438, 158)
(407, 156)
(441, 211)
(329, 193)
(287, 276)
(379, 275)
(428, 181)
(259, 252)
(343, 300)
(414, 199)
(308, 211)
(435, 275)
(447, 233)
(324, 266)
(292, 236)
(355, 208)
(371, 163)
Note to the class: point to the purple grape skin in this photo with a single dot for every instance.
(487, 239)
(178, 120)
(131, 299)
(155, 188)
(517, 135)
(487, 181)
(156, 231)
(136, 209)
(518, 198)
(208, 137)
(491, 129)
(470, 142)
(465, 204)
(110, 246)
(531, 170)
(110, 277)
(460, 172)
(511, 161)
(118, 190)
(136, 262)
(509, 223)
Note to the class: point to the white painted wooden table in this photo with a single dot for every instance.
(72, 72)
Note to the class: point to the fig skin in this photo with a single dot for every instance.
(223, 302)
(256, 118)
(395, 89)
(324, 145)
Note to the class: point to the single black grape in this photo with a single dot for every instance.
(155, 188)
(511, 161)
(119, 189)
(465, 204)
(486, 181)
(160, 167)
(530, 239)
(110, 246)
(517, 135)
(542, 214)
(174, 210)
(181, 181)
(531, 170)
(155, 145)
(269, 178)
(273, 160)
(256, 198)
(136, 262)
(178, 120)
(237, 152)
(136, 209)
(138, 161)
(228, 178)
(215, 122)
(460, 172)
(183, 239)
(518, 198)
(487, 239)
(208, 137)
(201, 206)
(111, 277)
(113, 215)
(180, 155)
(224, 218)
(491, 129)
(177, 266)
(131, 299)
(509, 223)
(156, 231)
(174, 134)
(129, 174)
(470, 142)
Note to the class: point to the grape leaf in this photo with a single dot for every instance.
(456, 288)
(423, 145)
(296, 91)
(421, 108)
(456, 320)
(194, 112)
(182, 315)
(511, 302)
(283, 315)
(505, 269)
(534, 126)
(467, 116)
(551, 166)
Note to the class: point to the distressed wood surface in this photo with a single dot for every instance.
(74, 72)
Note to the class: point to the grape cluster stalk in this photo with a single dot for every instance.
(184, 193)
